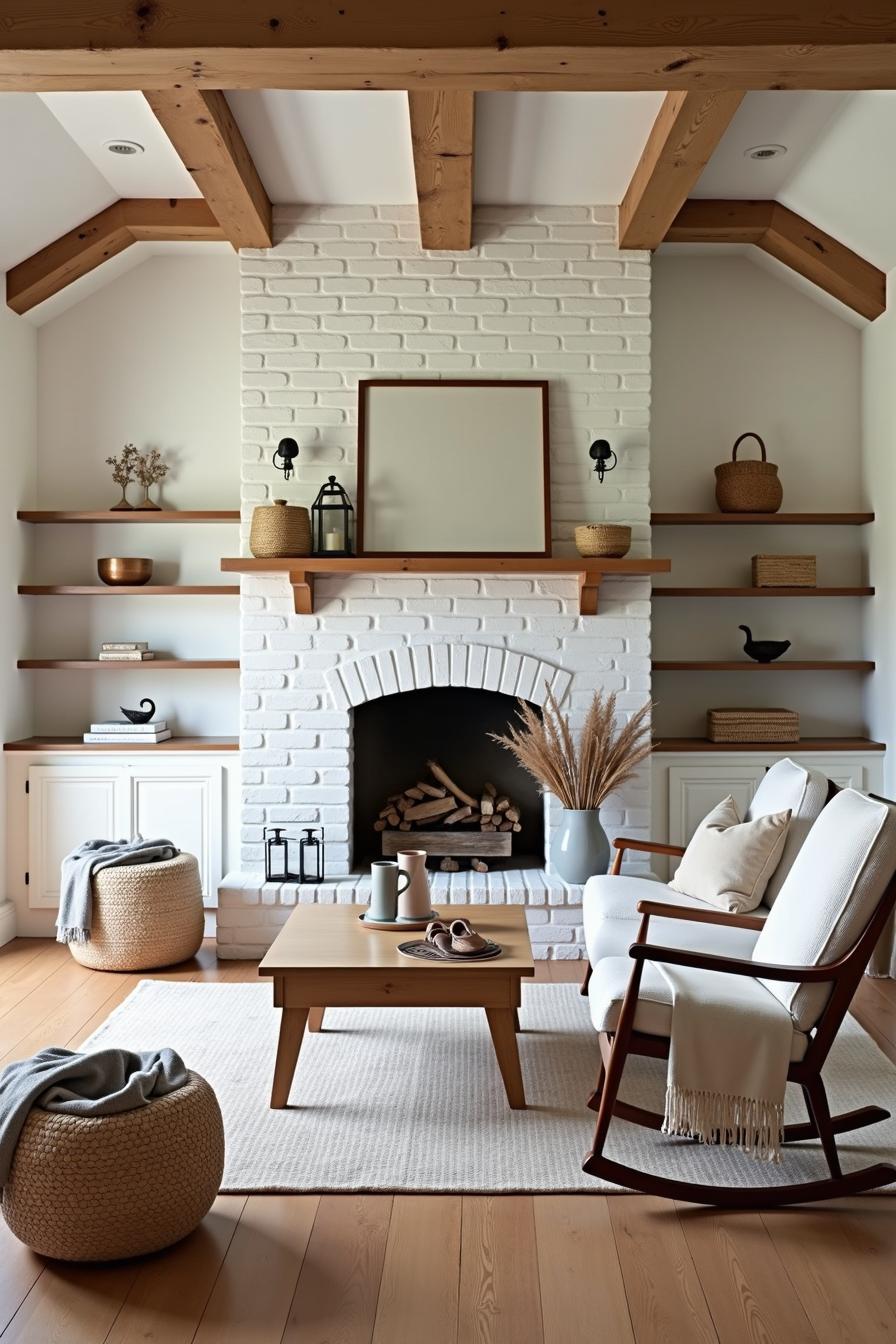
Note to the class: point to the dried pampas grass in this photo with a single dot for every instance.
(581, 775)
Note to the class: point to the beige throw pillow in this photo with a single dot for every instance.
(729, 862)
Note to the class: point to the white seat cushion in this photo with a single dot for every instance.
(654, 1013)
(787, 786)
(610, 916)
(830, 894)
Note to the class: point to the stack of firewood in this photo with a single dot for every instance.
(444, 803)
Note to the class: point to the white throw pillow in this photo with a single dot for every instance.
(729, 862)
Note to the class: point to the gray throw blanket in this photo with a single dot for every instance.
(105, 1082)
(75, 901)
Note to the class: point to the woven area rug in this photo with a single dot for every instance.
(410, 1099)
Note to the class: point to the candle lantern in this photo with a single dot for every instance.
(311, 855)
(332, 521)
(276, 856)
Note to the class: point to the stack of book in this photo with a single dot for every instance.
(125, 653)
(120, 730)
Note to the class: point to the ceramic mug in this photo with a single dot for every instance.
(416, 901)
(387, 882)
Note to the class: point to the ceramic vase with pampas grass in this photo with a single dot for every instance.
(581, 772)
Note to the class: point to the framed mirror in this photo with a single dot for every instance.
(453, 467)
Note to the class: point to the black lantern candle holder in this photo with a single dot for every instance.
(311, 855)
(332, 521)
(276, 856)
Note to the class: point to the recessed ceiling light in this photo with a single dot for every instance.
(124, 147)
(765, 152)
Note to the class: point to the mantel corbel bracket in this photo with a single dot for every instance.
(302, 583)
(589, 592)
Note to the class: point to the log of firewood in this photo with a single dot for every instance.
(403, 804)
(486, 805)
(435, 807)
(506, 826)
(414, 793)
(490, 790)
(472, 820)
(380, 825)
(393, 818)
(517, 827)
(405, 826)
(478, 866)
(449, 865)
(384, 811)
(512, 813)
(459, 815)
(438, 773)
(502, 803)
(431, 790)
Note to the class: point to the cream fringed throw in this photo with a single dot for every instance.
(728, 1057)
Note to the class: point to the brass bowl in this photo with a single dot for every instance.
(124, 570)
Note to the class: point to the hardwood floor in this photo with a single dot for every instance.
(446, 1269)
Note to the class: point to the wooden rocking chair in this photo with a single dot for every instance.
(874, 867)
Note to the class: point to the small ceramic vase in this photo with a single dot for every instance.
(415, 901)
(580, 849)
(387, 883)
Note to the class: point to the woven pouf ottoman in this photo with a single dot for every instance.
(109, 1187)
(144, 915)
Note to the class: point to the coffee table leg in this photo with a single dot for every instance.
(316, 1019)
(501, 1024)
(292, 1029)
(516, 1020)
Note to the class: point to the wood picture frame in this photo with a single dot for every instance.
(519, 461)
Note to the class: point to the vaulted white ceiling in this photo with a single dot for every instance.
(544, 148)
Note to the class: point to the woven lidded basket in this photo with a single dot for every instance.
(280, 529)
(783, 571)
(752, 725)
(748, 487)
(108, 1187)
(611, 540)
(144, 915)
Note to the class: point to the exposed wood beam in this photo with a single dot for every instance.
(202, 129)
(442, 141)
(792, 240)
(686, 131)
(105, 235)
(524, 44)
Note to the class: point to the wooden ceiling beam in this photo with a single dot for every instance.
(202, 129)
(81, 250)
(790, 239)
(442, 141)
(401, 44)
(686, 131)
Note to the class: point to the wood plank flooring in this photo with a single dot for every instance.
(446, 1269)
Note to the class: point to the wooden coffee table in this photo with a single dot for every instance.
(323, 958)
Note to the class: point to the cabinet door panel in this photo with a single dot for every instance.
(695, 789)
(69, 804)
(184, 807)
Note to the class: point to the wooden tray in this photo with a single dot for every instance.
(398, 925)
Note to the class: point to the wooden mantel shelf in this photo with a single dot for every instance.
(301, 572)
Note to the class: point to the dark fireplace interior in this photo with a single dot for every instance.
(396, 735)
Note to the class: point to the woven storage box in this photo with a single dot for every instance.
(280, 529)
(750, 486)
(783, 571)
(610, 540)
(144, 915)
(112, 1186)
(752, 725)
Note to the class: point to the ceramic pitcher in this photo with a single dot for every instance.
(387, 882)
(415, 901)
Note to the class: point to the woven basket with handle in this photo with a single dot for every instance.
(748, 487)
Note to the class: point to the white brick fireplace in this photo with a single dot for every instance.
(346, 293)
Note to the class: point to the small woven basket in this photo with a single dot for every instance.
(611, 540)
(783, 571)
(144, 915)
(280, 529)
(752, 725)
(748, 487)
(113, 1186)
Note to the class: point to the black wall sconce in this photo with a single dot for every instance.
(286, 453)
(603, 457)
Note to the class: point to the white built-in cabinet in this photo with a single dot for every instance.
(686, 785)
(56, 803)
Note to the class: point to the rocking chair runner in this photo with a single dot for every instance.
(842, 975)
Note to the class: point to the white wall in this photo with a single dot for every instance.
(879, 426)
(18, 372)
(736, 349)
(152, 358)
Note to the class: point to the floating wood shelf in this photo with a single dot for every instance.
(778, 519)
(763, 592)
(75, 744)
(129, 516)
(130, 590)
(148, 665)
(675, 745)
(832, 665)
(302, 572)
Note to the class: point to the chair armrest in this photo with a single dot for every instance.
(688, 912)
(648, 847)
(756, 970)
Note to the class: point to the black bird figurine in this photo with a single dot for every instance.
(763, 650)
(140, 715)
